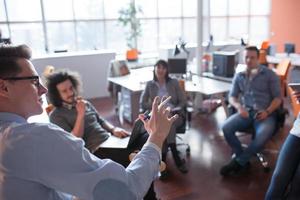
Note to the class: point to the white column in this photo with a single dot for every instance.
(199, 36)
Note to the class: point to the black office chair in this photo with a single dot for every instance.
(182, 130)
(281, 113)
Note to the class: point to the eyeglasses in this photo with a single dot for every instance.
(34, 79)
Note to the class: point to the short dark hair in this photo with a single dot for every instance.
(9, 56)
(56, 78)
(252, 48)
(165, 65)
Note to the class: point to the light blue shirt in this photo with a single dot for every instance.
(42, 162)
(257, 92)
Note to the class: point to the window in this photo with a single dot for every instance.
(30, 32)
(76, 25)
(234, 19)
(2, 11)
(20, 10)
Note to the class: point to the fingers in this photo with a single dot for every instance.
(166, 111)
(142, 118)
(164, 102)
(155, 104)
(173, 118)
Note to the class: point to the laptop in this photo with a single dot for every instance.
(128, 142)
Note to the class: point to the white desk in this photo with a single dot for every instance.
(134, 83)
(295, 60)
(207, 86)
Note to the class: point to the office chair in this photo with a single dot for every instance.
(282, 70)
(281, 113)
(182, 130)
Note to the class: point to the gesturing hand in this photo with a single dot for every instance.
(159, 124)
(80, 106)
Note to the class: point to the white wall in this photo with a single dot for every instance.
(92, 66)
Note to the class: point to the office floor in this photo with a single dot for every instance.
(209, 152)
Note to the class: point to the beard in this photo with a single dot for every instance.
(71, 100)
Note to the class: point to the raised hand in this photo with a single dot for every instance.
(160, 122)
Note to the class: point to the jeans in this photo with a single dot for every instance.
(263, 132)
(287, 171)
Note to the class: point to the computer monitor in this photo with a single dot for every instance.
(272, 49)
(224, 63)
(177, 65)
(289, 48)
(5, 41)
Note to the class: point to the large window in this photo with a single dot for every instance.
(235, 19)
(72, 25)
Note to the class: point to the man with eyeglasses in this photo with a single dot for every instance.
(42, 161)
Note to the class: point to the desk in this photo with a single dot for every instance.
(295, 60)
(134, 83)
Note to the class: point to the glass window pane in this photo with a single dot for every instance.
(61, 36)
(90, 35)
(205, 8)
(112, 8)
(92, 9)
(169, 8)
(20, 10)
(238, 27)
(205, 30)
(58, 10)
(30, 34)
(149, 8)
(218, 7)
(189, 30)
(4, 30)
(148, 40)
(264, 7)
(2, 11)
(238, 7)
(189, 8)
(116, 37)
(170, 30)
(259, 29)
(218, 28)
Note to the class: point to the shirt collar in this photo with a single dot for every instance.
(11, 117)
(261, 69)
(68, 105)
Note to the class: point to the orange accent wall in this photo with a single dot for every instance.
(285, 25)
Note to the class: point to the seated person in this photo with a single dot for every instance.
(162, 85)
(41, 161)
(259, 90)
(76, 115)
(287, 171)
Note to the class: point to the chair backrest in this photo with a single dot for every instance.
(49, 108)
(283, 68)
(265, 45)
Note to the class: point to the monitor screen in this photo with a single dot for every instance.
(177, 65)
(289, 48)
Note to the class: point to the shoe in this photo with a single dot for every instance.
(232, 168)
(182, 168)
(164, 175)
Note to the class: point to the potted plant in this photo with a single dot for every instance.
(128, 18)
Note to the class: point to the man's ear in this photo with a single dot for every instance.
(3, 88)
